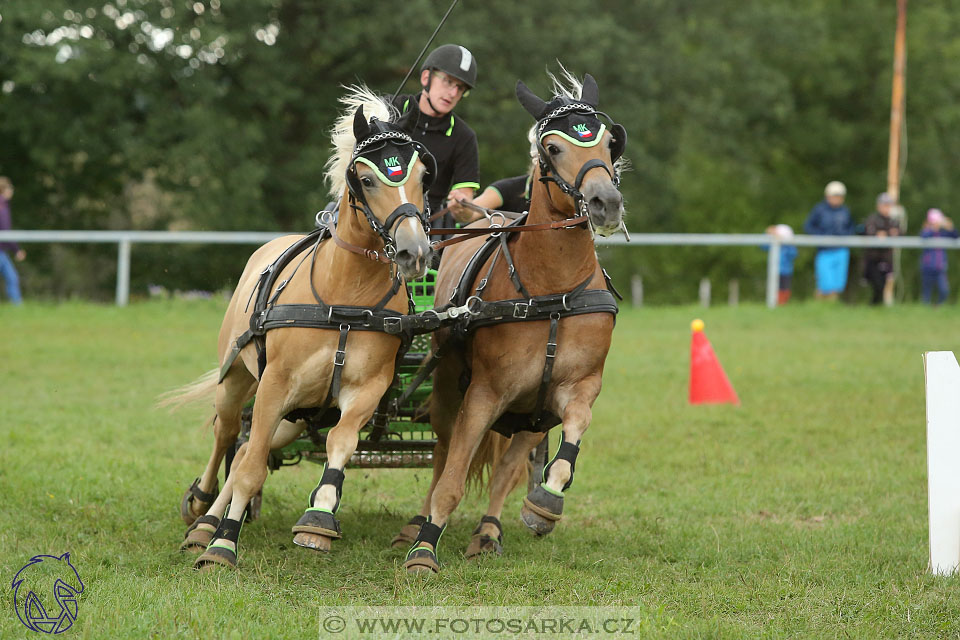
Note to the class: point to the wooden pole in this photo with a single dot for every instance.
(897, 101)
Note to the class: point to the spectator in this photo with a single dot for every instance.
(788, 253)
(7, 270)
(878, 267)
(831, 217)
(933, 262)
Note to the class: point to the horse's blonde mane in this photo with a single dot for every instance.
(567, 85)
(341, 136)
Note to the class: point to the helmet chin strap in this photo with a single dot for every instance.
(426, 94)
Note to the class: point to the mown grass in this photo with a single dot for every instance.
(801, 513)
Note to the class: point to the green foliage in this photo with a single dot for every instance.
(205, 114)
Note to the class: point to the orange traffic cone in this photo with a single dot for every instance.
(708, 383)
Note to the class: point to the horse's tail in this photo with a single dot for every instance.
(200, 390)
(487, 457)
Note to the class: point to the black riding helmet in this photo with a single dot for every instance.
(455, 61)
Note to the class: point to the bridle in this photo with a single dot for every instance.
(549, 173)
(367, 145)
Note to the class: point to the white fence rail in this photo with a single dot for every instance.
(126, 239)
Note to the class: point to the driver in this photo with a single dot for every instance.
(447, 75)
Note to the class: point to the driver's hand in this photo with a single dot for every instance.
(460, 213)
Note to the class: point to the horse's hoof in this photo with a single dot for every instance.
(422, 560)
(313, 541)
(200, 534)
(196, 542)
(536, 523)
(195, 502)
(216, 557)
(318, 523)
(541, 510)
(483, 545)
(406, 537)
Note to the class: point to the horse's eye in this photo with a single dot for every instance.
(553, 149)
(366, 181)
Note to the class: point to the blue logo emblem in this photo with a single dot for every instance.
(47, 581)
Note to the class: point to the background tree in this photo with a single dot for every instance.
(173, 114)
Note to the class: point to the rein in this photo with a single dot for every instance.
(496, 229)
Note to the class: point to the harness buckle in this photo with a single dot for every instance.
(367, 317)
(339, 358)
(520, 310)
(563, 301)
(392, 325)
(482, 285)
(551, 349)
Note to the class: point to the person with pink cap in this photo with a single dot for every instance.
(933, 262)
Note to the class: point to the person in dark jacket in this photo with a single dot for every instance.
(933, 262)
(878, 265)
(7, 270)
(447, 75)
(831, 217)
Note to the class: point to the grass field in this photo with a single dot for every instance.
(801, 513)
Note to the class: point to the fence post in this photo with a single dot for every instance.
(123, 272)
(705, 292)
(773, 272)
(636, 290)
(733, 293)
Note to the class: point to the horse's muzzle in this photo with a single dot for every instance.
(414, 253)
(604, 206)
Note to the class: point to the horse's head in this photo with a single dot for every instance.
(388, 175)
(578, 152)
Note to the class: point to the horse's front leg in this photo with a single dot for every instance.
(543, 505)
(481, 406)
(318, 526)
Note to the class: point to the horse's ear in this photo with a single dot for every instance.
(590, 93)
(408, 121)
(534, 105)
(360, 126)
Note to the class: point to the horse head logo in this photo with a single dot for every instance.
(47, 579)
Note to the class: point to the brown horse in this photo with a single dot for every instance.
(505, 362)
(380, 174)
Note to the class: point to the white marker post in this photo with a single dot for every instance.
(942, 375)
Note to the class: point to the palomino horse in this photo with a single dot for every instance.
(328, 344)
(533, 356)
